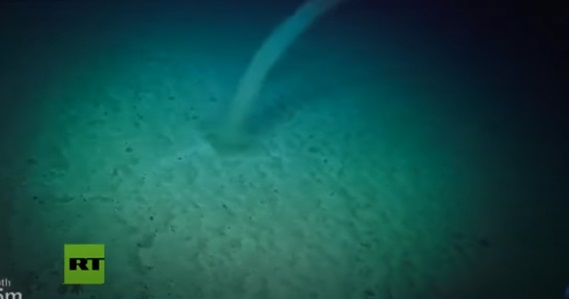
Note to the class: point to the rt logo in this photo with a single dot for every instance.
(84, 264)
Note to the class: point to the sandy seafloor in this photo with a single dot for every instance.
(372, 177)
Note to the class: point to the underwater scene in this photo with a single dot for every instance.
(286, 149)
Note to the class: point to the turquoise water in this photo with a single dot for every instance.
(395, 153)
